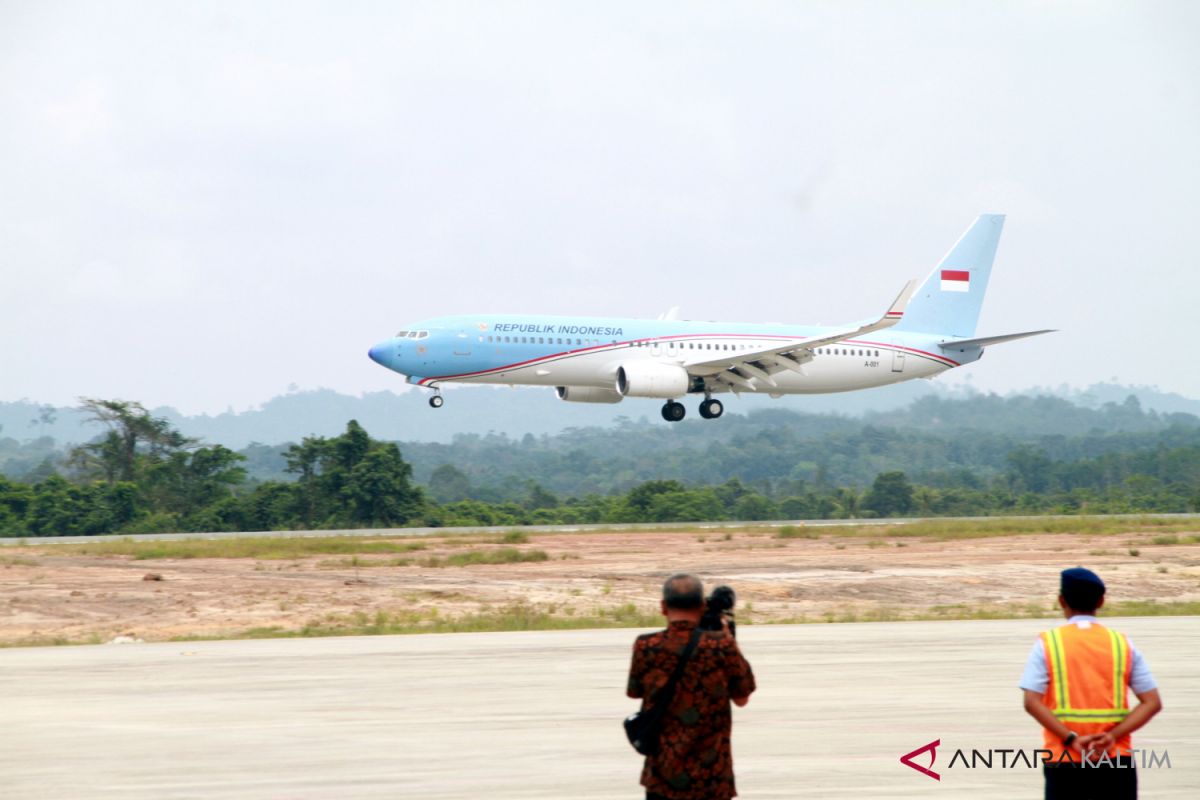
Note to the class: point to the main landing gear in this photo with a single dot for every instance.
(673, 411)
(711, 409)
(437, 399)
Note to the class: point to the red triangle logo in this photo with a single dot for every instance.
(932, 747)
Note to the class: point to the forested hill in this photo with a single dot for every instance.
(405, 417)
(937, 442)
(975, 456)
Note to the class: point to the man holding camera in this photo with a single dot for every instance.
(694, 761)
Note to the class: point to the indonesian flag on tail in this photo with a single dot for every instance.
(956, 280)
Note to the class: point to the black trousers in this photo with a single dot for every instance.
(1075, 782)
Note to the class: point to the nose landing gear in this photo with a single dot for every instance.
(436, 401)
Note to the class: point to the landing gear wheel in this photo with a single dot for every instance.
(711, 409)
(673, 412)
(436, 401)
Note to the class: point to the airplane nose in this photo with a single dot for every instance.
(380, 352)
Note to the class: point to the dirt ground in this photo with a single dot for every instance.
(46, 595)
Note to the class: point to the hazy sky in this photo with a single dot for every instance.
(202, 203)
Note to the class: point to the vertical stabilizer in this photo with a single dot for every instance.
(949, 300)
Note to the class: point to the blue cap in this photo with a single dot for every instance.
(1081, 588)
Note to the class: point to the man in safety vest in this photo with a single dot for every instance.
(1075, 684)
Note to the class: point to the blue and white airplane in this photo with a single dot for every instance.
(927, 330)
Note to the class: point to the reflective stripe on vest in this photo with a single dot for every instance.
(1060, 677)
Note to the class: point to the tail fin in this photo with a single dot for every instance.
(949, 300)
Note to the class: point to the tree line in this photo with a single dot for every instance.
(143, 476)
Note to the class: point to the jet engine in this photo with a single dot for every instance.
(587, 394)
(651, 379)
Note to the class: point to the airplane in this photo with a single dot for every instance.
(928, 329)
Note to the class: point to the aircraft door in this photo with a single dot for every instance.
(655, 348)
(462, 344)
(671, 349)
(897, 361)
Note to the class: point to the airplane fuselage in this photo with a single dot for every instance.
(928, 329)
(587, 352)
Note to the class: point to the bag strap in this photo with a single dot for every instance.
(664, 696)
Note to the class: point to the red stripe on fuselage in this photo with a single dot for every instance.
(677, 337)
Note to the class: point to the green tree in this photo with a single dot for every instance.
(891, 495)
(134, 437)
(449, 484)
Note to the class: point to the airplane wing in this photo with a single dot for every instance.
(964, 344)
(746, 369)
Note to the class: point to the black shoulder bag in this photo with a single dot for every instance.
(643, 729)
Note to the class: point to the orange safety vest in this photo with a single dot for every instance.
(1089, 672)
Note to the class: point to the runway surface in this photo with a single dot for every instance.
(537, 715)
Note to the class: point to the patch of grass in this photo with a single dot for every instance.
(985, 527)
(1133, 551)
(18, 561)
(52, 641)
(356, 562)
(794, 532)
(504, 555)
(261, 547)
(1151, 608)
(514, 537)
(1168, 539)
(513, 617)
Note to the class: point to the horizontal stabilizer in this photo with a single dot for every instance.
(964, 344)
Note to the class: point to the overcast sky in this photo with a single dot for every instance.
(204, 203)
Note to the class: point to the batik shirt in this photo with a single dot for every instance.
(695, 761)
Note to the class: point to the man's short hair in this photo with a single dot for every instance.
(683, 592)
(1081, 589)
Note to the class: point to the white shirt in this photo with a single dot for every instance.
(1036, 678)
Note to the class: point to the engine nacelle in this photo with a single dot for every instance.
(651, 379)
(587, 394)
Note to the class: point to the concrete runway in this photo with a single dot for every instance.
(537, 715)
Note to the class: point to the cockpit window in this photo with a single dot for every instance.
(401, 334)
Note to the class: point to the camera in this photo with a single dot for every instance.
(718, 607)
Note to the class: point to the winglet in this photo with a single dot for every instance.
(896, 311)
